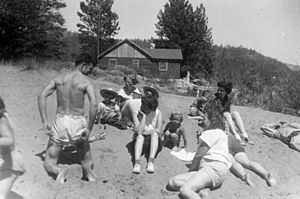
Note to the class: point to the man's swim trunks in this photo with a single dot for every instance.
(74, 125)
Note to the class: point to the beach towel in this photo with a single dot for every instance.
(183, 155)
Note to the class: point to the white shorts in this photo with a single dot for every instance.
(75, 125)
(215, 170)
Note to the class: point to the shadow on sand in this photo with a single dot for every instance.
(146, 148)
(14, 195)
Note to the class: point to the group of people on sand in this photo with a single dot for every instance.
(220, 146)
(128, 109)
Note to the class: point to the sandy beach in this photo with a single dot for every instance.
(112, 160)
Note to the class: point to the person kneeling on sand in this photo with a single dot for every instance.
(173, 132)
(147, 120)
(209, 166)
(69, 127)
(11, 161)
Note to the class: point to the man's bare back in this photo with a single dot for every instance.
(69, 125)
(70, 90)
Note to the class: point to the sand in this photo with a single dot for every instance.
(112, 160)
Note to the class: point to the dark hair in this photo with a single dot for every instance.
(2, 108)
(132, 78)
(180, 116)
(150, 102)
(200, 102)
(226, 85)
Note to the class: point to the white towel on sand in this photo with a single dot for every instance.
(183, 155)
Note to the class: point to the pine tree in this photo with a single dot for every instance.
(182, 27)
(99, 26)
(31, 28)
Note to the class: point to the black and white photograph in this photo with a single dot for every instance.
(149, 99)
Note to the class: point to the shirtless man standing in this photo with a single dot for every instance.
(69, 127)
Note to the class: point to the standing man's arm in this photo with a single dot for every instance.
(48, 90)
(92, 109)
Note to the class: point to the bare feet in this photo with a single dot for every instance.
(271, 181)
(204, 193)
(61, 177)
(248, 141)
(89, 175)
(100, 136)
(248, 180)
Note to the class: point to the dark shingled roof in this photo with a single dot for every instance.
(157, 53)
(161, 53)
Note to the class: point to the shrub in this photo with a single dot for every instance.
(97, 72)
(29, 63)
(115, 79)
(53, 65)
(124, 69)
(115, 72)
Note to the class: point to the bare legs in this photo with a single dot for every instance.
(138, 151)
(235, 120)
(240, 172)
(138, 147)
(189, 184)
(239, 123)
(174, 139)
(154, 145)
(50, 163)
(51, 158)
(87, 164)
(242, 158)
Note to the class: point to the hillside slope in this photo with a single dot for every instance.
(112, 160)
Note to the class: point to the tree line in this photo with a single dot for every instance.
(35, 29)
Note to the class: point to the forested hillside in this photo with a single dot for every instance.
(33, 34)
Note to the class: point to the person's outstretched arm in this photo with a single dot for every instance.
(270, 129)
(48, 90)
(295, 125)
(201, 151)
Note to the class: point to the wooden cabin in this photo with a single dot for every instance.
(150, 62)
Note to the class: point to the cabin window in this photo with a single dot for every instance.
(163, 66)
(112, 62)
(136, 63)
